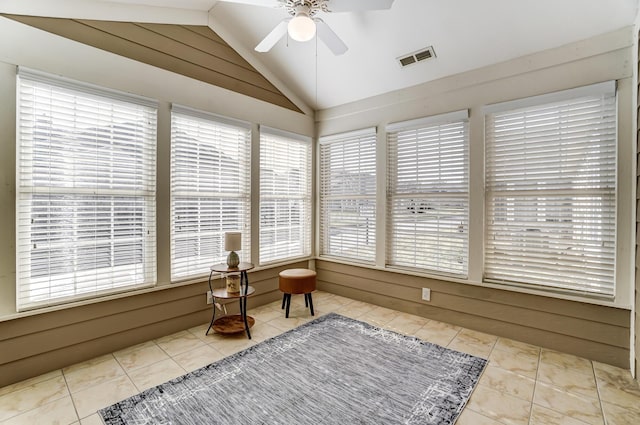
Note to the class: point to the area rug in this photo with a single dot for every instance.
(332, 370)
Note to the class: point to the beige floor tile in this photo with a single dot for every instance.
(617, 386)
(621, 395)
(379, 316)
(438, 332)
(475, 337)
(473, 342)
(566, 361)
(156, 374)
(501, 407)
(617, 415)
(469, 417)
(59, 412)
(179, 343)
(94, 398)
(355, 309)
(299, 312)
(568, 404)
(233, 345)
(262, 331)
(285, 324)
(29, 382)
(264, 315)
(92, 420)
(199, 332)
(516, 347)
(543, 416)
(141, 357)
(198, 357)
(407, 324)
(508, 382)
(613, 374)
(336, 301)
(87, 364)
(32, 397)
(577, 382)
(136, 347)
(93, 372)
(523, 364)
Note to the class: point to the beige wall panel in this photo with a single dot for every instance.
(39, 343)
(597, 332)
(119, 44)
(186, 35)
(553, 322)
(28, 367)
(596, 313)
(184, 52)
(600, 352)
(207, 32)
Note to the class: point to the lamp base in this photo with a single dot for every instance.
(233, 260)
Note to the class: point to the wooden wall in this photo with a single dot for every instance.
(37, 344)
(191, 50)
(595, 332)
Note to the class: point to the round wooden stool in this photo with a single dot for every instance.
(297, 281)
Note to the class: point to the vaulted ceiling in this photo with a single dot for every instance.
(465, 34)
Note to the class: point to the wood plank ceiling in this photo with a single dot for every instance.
(191, 50)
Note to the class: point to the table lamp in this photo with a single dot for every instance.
(233, 243)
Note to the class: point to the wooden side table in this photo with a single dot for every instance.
(232, 323)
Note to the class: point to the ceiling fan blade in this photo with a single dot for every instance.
(273, 37)
(358, 5)
(330, 38)
(265, 3)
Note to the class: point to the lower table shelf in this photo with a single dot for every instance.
(232, 324)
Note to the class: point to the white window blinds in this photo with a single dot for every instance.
(285, 195)
(210, 189)
(428, 199)
(550, 193)
(348, 195)
(85, 191)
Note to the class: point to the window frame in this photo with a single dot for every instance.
(452, 198)
(361, 198)
(547, 101)
(305, 197)
(211, 125)
(103, 192)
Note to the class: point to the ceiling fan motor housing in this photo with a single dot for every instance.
(309, 7)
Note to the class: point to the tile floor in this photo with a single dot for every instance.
(522, 384)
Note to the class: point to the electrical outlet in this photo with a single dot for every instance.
(426, 294)
(209, 298)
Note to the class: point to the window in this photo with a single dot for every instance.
(285, 196)
(428, 199)
(551, 191)
(85, 191)
(210, 189)
(348, 195)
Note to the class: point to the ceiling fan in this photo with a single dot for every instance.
(303, 24)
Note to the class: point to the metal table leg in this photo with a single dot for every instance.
(213, 304)
(243, 301)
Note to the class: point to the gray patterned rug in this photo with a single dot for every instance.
(333, 370)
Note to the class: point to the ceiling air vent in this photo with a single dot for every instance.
(415, 57)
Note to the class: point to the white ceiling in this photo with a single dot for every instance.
(466, 34)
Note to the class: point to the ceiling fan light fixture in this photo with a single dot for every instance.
(301, 27)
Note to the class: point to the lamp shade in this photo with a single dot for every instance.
(232, 241)
(302, 27)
